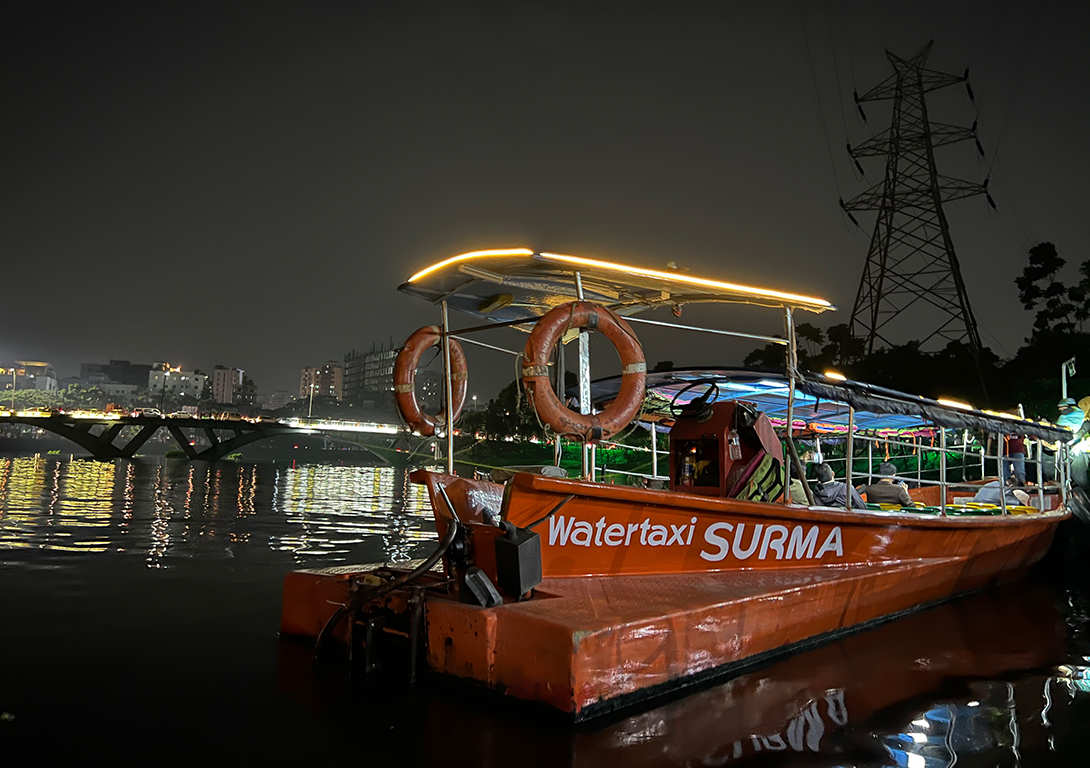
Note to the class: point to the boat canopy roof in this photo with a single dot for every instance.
(513, 284)
(821, 403)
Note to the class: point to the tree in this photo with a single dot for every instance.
(810, 338)
(1038, 289)
(1080, 294)
(509, 414)
(769, 356)
(843, 349)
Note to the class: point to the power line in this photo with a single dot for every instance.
(1011, 205)
(821, 108)
(1017, 86)
(996, 26)
(848, 34)
(836, 70)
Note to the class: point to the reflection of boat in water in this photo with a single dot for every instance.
(588, 596)
(812, 702)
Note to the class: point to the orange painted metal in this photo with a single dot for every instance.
(421, 340)
(791, 709)
(620, 530)
(535, 373)
(585, 642)
(707, 440)
(647, 590)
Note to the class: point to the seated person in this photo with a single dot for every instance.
(798, 493)
(989, 494)
(887, 490)
(828, 493)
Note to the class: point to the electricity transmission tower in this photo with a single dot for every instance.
(911, 262)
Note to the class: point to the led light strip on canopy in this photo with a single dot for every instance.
(787, 298)
(614, 270)
(471, 255)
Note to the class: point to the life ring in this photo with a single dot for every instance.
(421, 340)
(535, 372)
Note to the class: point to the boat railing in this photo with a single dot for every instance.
(792, 465)
(943, 450)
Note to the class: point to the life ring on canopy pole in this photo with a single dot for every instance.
(421, 340)
(535, 372)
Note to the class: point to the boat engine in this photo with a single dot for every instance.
(726, 449)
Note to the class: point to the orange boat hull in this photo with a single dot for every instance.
(702, 587)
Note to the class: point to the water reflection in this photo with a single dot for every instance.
(317, 514)
(124, 556)
(334, 508)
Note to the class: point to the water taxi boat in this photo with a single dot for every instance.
(588, 596)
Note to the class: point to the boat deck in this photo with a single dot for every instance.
(588, 644)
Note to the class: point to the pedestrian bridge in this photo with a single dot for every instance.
(108, 437)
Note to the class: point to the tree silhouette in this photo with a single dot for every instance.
(1038, 289)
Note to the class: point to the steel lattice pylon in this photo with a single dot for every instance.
(911, 258)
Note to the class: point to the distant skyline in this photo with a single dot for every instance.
(247, 185)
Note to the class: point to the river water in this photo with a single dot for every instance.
(139, 608)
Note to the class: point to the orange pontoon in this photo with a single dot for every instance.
(587, 596)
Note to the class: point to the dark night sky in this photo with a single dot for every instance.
(247, 184)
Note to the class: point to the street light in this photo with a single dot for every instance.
(474, 403)
(1067, 369)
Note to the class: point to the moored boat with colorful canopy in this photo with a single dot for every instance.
(587, 595)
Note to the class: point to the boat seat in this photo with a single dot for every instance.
(761, 480)
(877, 507)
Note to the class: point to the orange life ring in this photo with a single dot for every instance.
(421, 340)
(535, 373)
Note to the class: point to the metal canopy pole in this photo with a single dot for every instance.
(736, 334)
(1002, 472)
(1065, 472)
(561, 374)
(792, 361)
(870, 462)
(449, 390)
(1040, 479)
(964, 454)
(942, 472)
(584, 384)
(654, 450)
(849, 452)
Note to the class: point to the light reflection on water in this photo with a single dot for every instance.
(320, 514)
(137, 556)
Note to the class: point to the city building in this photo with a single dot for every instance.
(29, 374)
(246, 394)
(369, 376)
(323, 381)
(116, 371)
(174, 380)
(226, 382)
(120, 391)
(274, 401)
